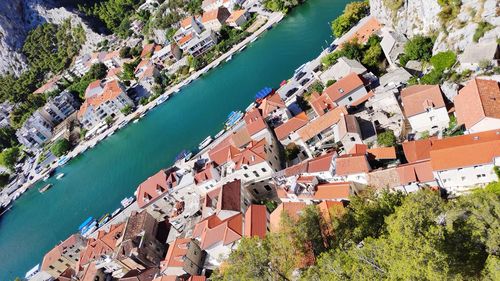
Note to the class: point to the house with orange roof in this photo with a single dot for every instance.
(112, 59)
(256, 126)
(477, 105)
(352, 168)
(63, 256)
(214, 19)
(349, 90)
(218, 238)
(156, 187)
(184, 256)
(415, 176)
(167, 55)
(90, 273)
(256, 221)
(148, 50)
(417, 150)
(361, 32)
(49, 86)
(206, 178)
(95, 88)
(349, 133)
(146, 72)
(321, 130)
(273, 109)
(424, 107)
(464, 162)
(287, 132)
(238, 18)
(292, 209)
(108, 103)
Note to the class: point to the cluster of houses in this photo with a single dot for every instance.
(191, 216)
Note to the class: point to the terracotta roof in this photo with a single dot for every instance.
(333, 191)
(111, 91)
(253, 154)
(89, 272)
(185, 39)
(57, 251)
(384, 178)
(112, 55)
(241, 137)
(186, 22)
(235, 15)
(92, 86)
(465, 151)
(256, 221)
(359, 148)
(344, 86)
(419, 172)
(321, 103)
(321, 123)
(212, 231)
(296, 169)
(352, 164)
(147, 49)
(205, 174)
(293, 209)
(364, 31)
(270, 104)
(417, 150)
(114, 72)
(224, 154)
(105, 243)
(155, 186)
(175, 253)
(363, 98)
(290, 126)
(52, 83)
(230, 197)
(381, 153)
(215, 14)
(477, 100)
(254, 121)
(418, 98)
(320, 163)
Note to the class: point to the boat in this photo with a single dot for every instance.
(162, 99)
(233, 118)
(92, 224)
(60, 176)
(45, 188)
(30, 273)
(229, 58)
(46, 177)
(135, 121)
(205, 142)
(253, 40)
(177, 90)
(242, 48)
(142, 115)
(63, 160)
(188, 156)
(103, 220)
(122, 124)
(220, 133)
(127, 201)
(116, 212)
(85, 223)
(89, 231)
(216, 64)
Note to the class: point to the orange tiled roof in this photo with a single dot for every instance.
(420, 172)
(185, 39)
(147, 49)
(320, 163)
(270, 104)
(321, 123)
(352, 164)
(344, 86)
(363, 32)
(176, 253)
(205, 174)
(256, 221)
(155, 186)
(212, 230)
(380, 153)
(111, 91)
(290, 126)
(254, 121)
(186, 22)
(57, 251)
(417, 150)
(293, 209)
(321, 103)
(253, 154)
(211, 15)
(235, 15)
(333, 191)
(418, 98)
(477, 100)
(104, 244)
(465, 151)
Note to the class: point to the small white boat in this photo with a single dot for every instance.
(46, 177)
(253, 40)
(229, 58)
(127, 201)
(60, 176)
(177, 90)
(216, 64)
(116, 212)
(162, 99)
(205, 142)
(219, 134)
(242, 48)
(142, 115)
(63, 160)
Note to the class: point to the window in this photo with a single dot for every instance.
(353, 139)
(267, 187)
(349, 98)
(245, 167)
(255, 173)
(60, 260)
(246, 175)
(51, 266)
(255, 191)
(264, 170)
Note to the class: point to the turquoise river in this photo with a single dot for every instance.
(97, 180)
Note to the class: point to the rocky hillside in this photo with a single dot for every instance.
(18, 17)
(426, 17)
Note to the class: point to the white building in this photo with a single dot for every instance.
(424, 108)
(392, 45)
(341, 69)
(36, 130)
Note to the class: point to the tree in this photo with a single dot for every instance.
(9, 156)
(417, 48)
(386, 138)
(7, 137)
(4, 179)
(126, 110)
(291, 151)
(60, 147)
(353, 12)
(443, 60)
(125, 52)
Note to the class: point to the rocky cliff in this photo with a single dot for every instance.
(18, 17)
(422, 17)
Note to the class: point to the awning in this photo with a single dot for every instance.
(263, 93)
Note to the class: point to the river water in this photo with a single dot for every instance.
(96, 181)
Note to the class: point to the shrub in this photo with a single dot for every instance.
(126, 110)
(4, 179)
(125, 52)
(291, 151)
(9, 156)
(418, 48)
(60, 147)
(330, 82)
(353, 12)
(481, 29)
(394, 5)
(386, 138)
(431, 78)
(316, 87)
(443, 60)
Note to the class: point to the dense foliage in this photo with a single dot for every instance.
(353, 12)
(4, 179)
(60, 147)
(7, 137)
(386, 138)
(441, 62)
(388, 236)
(481, 29)
(417, 48)
(9, 157)
(449, 9)
(280, 5)
(96, 71)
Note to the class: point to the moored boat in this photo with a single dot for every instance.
(85, 223)
(205, 142)
(45, 188)
(63, 160)
(127, 201)
(162, 99)
(103, 220)
(229, 58)
(116, 212)
(60, 176)
(220, 133)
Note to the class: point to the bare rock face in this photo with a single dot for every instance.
(18, 17)
(422, 17)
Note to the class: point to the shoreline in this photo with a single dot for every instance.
(84, 146)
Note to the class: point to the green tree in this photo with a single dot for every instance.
(291, 151)
(4, 179)
(353, 12)
(7, 137)
(417, 48)
(9, 157)
(125, 52)
(126, 110)
(443, 60)
(60, 147)
(386, 138)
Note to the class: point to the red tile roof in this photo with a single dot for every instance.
(148, 49)
(321, 123)
(364, 31)
(465, 151)
(293, 209)
(185, 39)
(212, 230)
(256, 221)
(205, 174)
(477, 100)
(104, 244)
(420, 172)
(57, 251)
(352, 164)
(418, 98)
(253, 154)
(290, 126)
(333, 191)
(321, 163)
(417, 150)
(175, 253)
(111, 91)
(230, 197)
(254, 121)
(235, 15)
(381, 153)
(321, 103)
(155, 186)
(344, 87)
(186, 22)
(271, 104)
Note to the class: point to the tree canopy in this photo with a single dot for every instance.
(353, 12)
(60, 147)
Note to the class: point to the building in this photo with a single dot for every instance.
(352, 168)
(184, 256)
(60, 107)
(146, 72)
(238, 18)
(256, 221)
(424, 108)
(63, 256)
(464, 162)
(475, 54)
(477, 105)
(292, 209)
(109, 103)
(210, 5)
(214, 19)
(36, 130)
(349, 133)
(341, 69)
(207, 178)
(167, 55)
(415, 176)
(361, 32)
(274, 110)
(287, 132)
(392, 45)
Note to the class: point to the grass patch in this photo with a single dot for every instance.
(481, 29)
